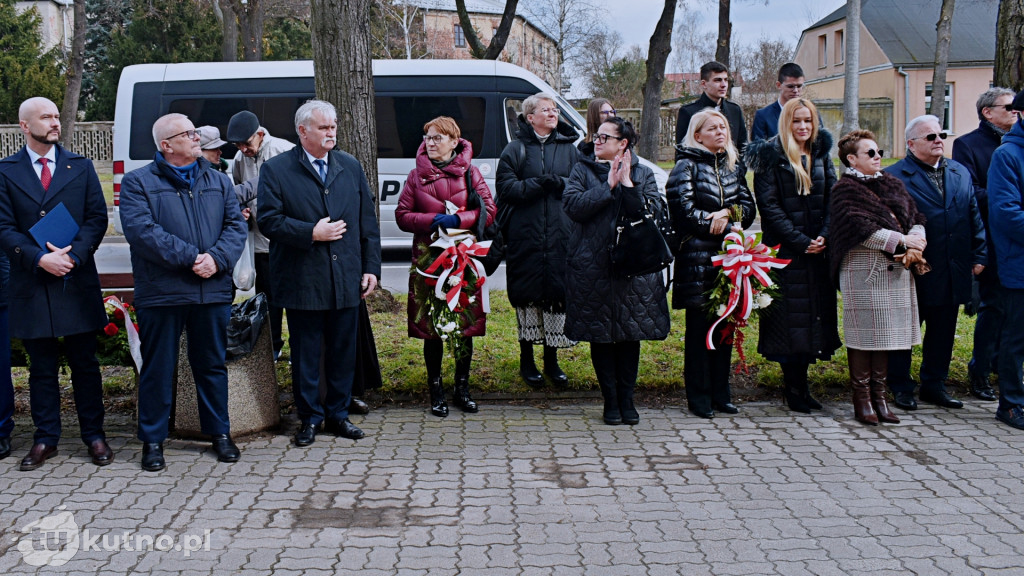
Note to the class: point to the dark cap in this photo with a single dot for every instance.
(1018, 102)
(242, 126)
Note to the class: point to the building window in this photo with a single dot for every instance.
(840, 48)
(822, 51)
(947, 113)
(460, 37)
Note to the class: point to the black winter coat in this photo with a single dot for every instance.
(602, 307)
(701, 183)
(732, 111)
(974, 150)
(536, 228)
(803, 322)
(956, 236)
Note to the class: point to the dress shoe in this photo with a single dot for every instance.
(343, 428)
(36, 456)
(727, 407)
(904, 400)
(357, 406)
(306, 434)
(225, 448)
(941, 398)
(153, 457)
(100, 452)
(1013, 416)
(708, 414)
(5, 448)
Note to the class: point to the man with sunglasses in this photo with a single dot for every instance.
(256, 146)
(956, 250)
(183, 225)
(974, 150)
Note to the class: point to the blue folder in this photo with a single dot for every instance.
(57, 228)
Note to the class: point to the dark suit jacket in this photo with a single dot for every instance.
(955, 234)
(307, 275)
(43, 305)
(974, 150)
(766, 122)
(732, 112)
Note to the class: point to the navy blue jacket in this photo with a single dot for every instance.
(1006, 206)
(766, 122)
(974, 150)
(955, 234)
(308, 275)
(168, 224)
(43, 305)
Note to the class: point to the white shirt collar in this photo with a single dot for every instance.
(312, 158)
(51, 156)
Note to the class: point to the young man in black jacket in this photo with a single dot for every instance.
(714, 81)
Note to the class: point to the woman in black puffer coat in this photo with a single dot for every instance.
(705, 185)
(612, 312)
(802, 326)
(531, 176)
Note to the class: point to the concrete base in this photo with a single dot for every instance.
(253, 404)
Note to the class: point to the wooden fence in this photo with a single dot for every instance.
(94, 140)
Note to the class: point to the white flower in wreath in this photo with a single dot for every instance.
(762, 300)
(472, 299)
(454, 280)
(449, 327)
(444, 336)
(721, 310)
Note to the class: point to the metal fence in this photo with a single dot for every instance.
(94, 140)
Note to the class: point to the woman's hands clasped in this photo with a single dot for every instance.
(619, 174)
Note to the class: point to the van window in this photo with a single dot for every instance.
(277, 115)
(400, 121)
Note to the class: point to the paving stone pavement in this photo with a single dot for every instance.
(516, 490)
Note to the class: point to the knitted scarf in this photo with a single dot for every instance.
(859, 208)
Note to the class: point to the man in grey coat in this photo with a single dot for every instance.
(316, 207)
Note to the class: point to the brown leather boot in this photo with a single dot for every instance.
(879, 375)
(860, 381)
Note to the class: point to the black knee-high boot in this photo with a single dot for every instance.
(602, 356)
(794, 374)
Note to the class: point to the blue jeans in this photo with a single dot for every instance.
(987, 328)
(160, 327)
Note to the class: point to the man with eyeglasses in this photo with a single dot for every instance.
(185, 232)
(790, 85)
(256, 146)
(956, 250)
(54, 287)
(1006, 219)
(974, 150)
(714, 81)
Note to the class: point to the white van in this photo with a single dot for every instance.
(483, 96)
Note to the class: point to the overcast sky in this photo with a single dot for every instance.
(776, 19)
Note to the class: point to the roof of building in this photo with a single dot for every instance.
(905, 30)
(478, 7)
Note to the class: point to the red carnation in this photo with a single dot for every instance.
(110, 329)
(118, 313)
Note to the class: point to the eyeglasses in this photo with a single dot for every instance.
(546, 111)
(931, 137)
(190, 134)
(1007, 107)
(611, 112)
(603, 138)
(436, 139)
(248, 143)
(871, 152)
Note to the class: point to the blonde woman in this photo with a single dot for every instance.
(793, 178)
(707, 184)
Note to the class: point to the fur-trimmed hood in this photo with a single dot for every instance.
(763, 155)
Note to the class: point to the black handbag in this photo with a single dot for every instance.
(640, 247)
(484, 232)
(247, 319)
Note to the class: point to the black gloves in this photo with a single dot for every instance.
(552, 183)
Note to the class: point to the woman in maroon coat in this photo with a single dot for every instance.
(440, 177)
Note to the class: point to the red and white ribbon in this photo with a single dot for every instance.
(134, 342)
(744, 258)
(449, 268)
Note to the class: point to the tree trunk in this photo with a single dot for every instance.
(1009, 68)
(851, 91)
(657, 56)
(69, 108)
(229, 25)
(343, 67)
(250, 23)
(724, 33)
(476, 47)
(945, 31)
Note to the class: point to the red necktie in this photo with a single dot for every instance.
(45, 177)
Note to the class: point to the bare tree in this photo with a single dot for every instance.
(692, 46)
(403, 13)
(476, 47)
(722, 52)
(225, 13)
(758, 65)
(343, 67)
(571, 23)
(251, 16)
(944, 35)
(1009, 67)
(657, 57)
(851, 90)
(76, 66)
